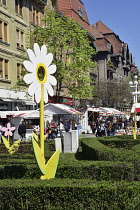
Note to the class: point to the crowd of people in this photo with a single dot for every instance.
(52, 128)
(109, 126)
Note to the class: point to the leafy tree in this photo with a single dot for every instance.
(112, 94)
(72, 52)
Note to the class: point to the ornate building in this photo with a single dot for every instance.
(17, 18)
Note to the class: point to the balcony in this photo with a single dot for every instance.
(110, 67)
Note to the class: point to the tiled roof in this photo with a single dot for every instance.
(72, 9)
(101, 42)
(102, 45)
(100, 30)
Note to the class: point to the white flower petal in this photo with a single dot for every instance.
(50, 89)
(43, 52)
(37, 50)
(28, 66)
(36, 57)
(45, 96)
(38, 94)
(52, 80)
(31, 56)
(28, 78)
(32, 89)
(52, 69)
(49, 58)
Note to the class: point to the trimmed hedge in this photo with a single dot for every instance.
(68, 194)
(27, 148)
(117, 142)
(79, 183)
(93, 149)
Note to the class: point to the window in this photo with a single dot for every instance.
(20, 38)
(4, 66)
(18, 7)
(3, 2)
(35, 16)
(81, 12)
(19, 70)
(3, 31)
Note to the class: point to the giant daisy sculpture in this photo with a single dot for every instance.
(41, 81)
(40, 70)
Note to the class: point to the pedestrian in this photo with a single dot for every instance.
(0, 131)
(53, 130)
(103, 129)
(61, 127)
(67, 126)
(109, 128)
(22, 130)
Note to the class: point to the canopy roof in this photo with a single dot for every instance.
(110, 111)
(60, 109)
(22, 114)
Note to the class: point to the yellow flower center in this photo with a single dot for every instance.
(41, 73)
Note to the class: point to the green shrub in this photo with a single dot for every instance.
(93, 149)
(123, 141)
(68, 194)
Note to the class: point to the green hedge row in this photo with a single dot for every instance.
(68, 194)
(93, 149)
(99, 170)
(126, 142)
(26, 147)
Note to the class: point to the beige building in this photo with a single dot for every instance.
(17, 18)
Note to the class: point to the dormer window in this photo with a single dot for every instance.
(81, 12)
(3, 2)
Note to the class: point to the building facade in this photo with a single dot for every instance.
(17, 18)
(113, 58)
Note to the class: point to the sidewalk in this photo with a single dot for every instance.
(87, 135)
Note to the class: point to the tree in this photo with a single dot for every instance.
(72, 52)
(112, 94)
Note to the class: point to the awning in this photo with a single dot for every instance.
(110, 111)
(135, 106)
(27, 102)
(93, 109)
(61, 109)
(32, 103)
(137, 110)
(22, 114)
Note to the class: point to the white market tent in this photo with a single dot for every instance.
(17, 116)
(60, 109)
(85, 122)
(111, 111)
(60, 112)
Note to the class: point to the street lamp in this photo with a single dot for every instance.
(135, 93)
(134, 84)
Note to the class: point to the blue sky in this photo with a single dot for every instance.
(122, 17)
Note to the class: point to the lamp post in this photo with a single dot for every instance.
(135, 93)
(135, 86)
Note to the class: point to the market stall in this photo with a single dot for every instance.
(31, 118)
(90, 115)
(61, 112)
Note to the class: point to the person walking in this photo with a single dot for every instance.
(109, 128)
(67, 126)
(22, 130)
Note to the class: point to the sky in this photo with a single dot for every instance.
(122, 17)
